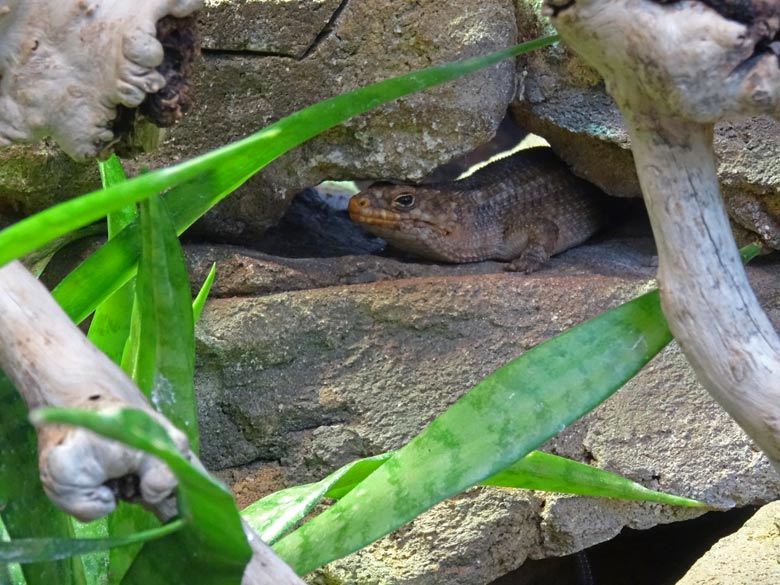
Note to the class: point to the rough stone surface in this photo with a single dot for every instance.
(359, 353)
(279, 28)
(36, 177)
(564, 100)
(750, 556)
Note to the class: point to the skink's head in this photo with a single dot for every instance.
(413, 218)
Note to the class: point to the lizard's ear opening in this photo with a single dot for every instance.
(404, 202)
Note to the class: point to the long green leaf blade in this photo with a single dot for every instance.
(110, 326)
(35, 550)
(164, 362)
(203, 293)
(274, 515)
(498, 422)
(100, 275)
(160, 354)
(551, 473)
(109, 331)
(37, 261)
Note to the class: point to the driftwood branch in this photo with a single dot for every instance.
(52, 363)
(675, 68)
(67, 65)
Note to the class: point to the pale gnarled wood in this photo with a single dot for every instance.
(67, 65)
(675, 68)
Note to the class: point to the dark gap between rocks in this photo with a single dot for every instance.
(657, 556)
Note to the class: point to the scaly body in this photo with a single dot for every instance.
(521, 209)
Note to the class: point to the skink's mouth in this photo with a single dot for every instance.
(365, 215)
(372, 215)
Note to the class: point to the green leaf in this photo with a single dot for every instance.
(5, 575)
(162, 358)
(211, 548)
(9, 574)
(96, 564)
(109, 331)
(201, 183)
(110, 326)
(37, 260)
(551, 473)
(160, 354)
(100, 275)
(112, 173)
(274, 515)
(25, 509)
(203, 293)
(749, 252)
(498, 422)
(36, 550)
(126, 520)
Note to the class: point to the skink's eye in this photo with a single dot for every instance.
(404, 202)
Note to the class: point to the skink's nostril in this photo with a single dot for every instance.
(357, 203)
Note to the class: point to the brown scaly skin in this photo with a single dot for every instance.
(521, 209)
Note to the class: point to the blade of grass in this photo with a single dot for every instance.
(100, 275)
(36, 550)
(26, 511)
(126, 520)
(96, 564)
(5, 575)
(551, 473)
(109, 331)
(162, 359)
(203, 293)
(110, 326)
(212, 547)
(37, 261)
(160, 352)
(10, 574)
(274, 515)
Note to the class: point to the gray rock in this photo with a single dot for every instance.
(311, 379)
(279, 28)
(35, 177)
(750, 556)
